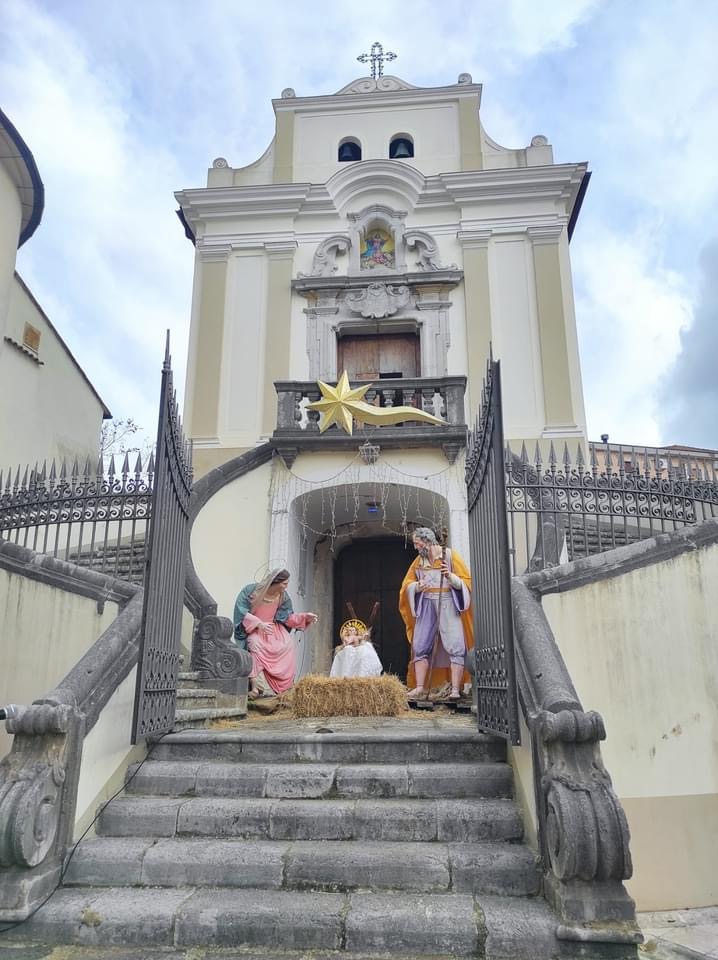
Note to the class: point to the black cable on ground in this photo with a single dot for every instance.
(16, 923)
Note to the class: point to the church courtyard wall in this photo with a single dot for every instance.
(637, 629)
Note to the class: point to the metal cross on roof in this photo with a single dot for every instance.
(377, 58)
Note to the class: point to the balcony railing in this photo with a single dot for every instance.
(298, 428)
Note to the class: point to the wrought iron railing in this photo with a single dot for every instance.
(94, 516)
(564, 508)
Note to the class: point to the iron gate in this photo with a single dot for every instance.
(156, 689)
(490, 572)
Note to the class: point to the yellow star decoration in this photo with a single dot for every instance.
(342, 405)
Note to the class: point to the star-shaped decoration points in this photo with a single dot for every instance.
(339, 404)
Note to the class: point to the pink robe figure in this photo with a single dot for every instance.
(273, 652)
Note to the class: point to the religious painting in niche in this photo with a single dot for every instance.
(377, 249)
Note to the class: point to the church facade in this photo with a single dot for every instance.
(385, 234)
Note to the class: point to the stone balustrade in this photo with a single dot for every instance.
(298, 428)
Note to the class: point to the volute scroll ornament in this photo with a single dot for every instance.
(214, 653)
(426, 249)
(324, 263)
(32, 781)
(586, 831)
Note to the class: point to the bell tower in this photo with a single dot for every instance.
(384, 231)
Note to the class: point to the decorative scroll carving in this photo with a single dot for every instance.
(426, 249)
(378, 299)
(587, 833)
(214, 654)
(32, 779)
(583, 831)
(324, 263)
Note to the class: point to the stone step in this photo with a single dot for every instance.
(463, 821)
(191, 695)
(339, 865)
(399, 745)
(202, 717)
(317, 780)
(175, 923)
(188, 676)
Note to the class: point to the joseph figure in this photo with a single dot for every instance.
(434, 604)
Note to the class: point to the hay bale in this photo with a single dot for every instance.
(317, 696)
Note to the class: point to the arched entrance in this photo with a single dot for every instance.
(371, 570)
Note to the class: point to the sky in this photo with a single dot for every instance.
(126, 101)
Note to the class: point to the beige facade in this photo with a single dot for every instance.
(48, 407)
(489, 222)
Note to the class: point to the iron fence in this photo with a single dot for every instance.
(497, 708)
(94, 516)
(564, 508)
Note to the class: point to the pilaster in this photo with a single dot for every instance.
(552, 326)
(475, 245)
(280, 257)
(206, 365)
(470, 134)
(284, 147)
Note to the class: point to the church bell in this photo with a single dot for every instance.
(401, 149)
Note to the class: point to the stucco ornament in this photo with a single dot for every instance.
(343, 404)
(426, 249)
(378, 300)
(324, 262)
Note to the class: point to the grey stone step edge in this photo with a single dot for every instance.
(504, 869)
(315, 781)
(239, 746)
(465, 820)
(436, 925)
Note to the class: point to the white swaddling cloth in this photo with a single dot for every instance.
(360, 661)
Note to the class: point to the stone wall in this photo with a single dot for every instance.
(638, 630)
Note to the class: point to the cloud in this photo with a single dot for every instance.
(122, 104)
(689, 411)
(632, 310)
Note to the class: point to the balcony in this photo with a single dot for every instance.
(298, 428)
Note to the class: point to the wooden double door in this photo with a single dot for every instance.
(384, 357)
(368, 571)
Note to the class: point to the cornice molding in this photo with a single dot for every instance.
(281, 249)
(217, 203)
(557, 182)
(212, 252)
(546, 233)
(353, 96)
(335, 284)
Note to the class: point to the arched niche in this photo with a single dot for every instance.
(377, 235)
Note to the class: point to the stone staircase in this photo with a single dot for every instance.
(585, 541)
(199, 707)
(342, 838)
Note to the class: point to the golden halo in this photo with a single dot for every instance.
(359, 624)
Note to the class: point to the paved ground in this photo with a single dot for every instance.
(680, 934)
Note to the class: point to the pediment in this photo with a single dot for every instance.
(380, 85)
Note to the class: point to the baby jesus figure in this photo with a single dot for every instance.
(355, 656)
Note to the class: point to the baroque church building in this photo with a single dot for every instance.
(385, 234)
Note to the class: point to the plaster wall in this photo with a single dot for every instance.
(106, 752)
(243, 352)
(47, 409)
(434, 129)
(230, 537)
(515, 335)
(642, 649)
(43, 633)
(10, 221)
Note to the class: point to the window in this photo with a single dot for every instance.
(31, 338)
(401, 147)
(349, 149)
